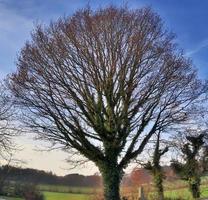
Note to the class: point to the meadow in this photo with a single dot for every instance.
(65, 196)
(172, 190)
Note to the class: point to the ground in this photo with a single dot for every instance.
(57, 192)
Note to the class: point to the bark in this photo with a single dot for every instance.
(111, 181)
(194, 186)
(156, 168)
(158, 181)
(190, 170)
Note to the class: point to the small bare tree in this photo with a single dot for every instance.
(8, 130)
(102, 83)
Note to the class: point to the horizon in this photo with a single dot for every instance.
(187, 19)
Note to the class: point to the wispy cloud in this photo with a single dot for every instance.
(199, 47)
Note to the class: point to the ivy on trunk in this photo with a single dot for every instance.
(190, 169)
(155, 168)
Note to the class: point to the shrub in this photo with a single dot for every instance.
(18, 190)
(28, 192)
(177, 198)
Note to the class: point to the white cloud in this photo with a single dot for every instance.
(198, 48)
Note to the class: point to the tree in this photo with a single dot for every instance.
(102, 83)
(8, 130)
(204, 159)
(155, 168)
(189, 170)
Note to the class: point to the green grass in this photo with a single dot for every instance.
(178, 193)
(58, 196)
(58, 192)
(185, 193)
(11, 198)
(65, 196)
(68, 189)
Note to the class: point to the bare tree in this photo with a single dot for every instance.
(102, 83)
(8, 130)
(8, 127)
(6, 163)
(5, 119)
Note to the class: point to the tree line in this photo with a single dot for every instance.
(34, 176)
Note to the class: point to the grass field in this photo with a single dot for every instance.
(67, 189)
(10, 198)
(57, 192)
(185, 193)
(58, 196)
(65, 196)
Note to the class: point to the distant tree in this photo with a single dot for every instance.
(8, 130)
(140, 176)
(155, 168)
(7, 126)
(102, 83)
(189, 170)
(4, 174)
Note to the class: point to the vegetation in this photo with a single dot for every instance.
(8, 129)
(175, 192)
(21, 190)
(17, 174)
(30, 192)
(190, 169)
(102, 83)
(65, 196)
(155, 168)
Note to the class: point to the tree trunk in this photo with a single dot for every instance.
(194, 185)
(111, 181)
(158, 181)
(1, 189)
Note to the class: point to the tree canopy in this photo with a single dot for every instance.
(102, 83)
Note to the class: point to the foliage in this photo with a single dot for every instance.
(175, 198)
(34, 176)
(190, 169)
(28, 192)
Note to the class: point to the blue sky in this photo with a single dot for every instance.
(187, 18)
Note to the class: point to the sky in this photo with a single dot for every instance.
(186, 18)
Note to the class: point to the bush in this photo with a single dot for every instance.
(18, 190)
(28, 192)
(153, 197)
(32, 194)
(178, 198)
